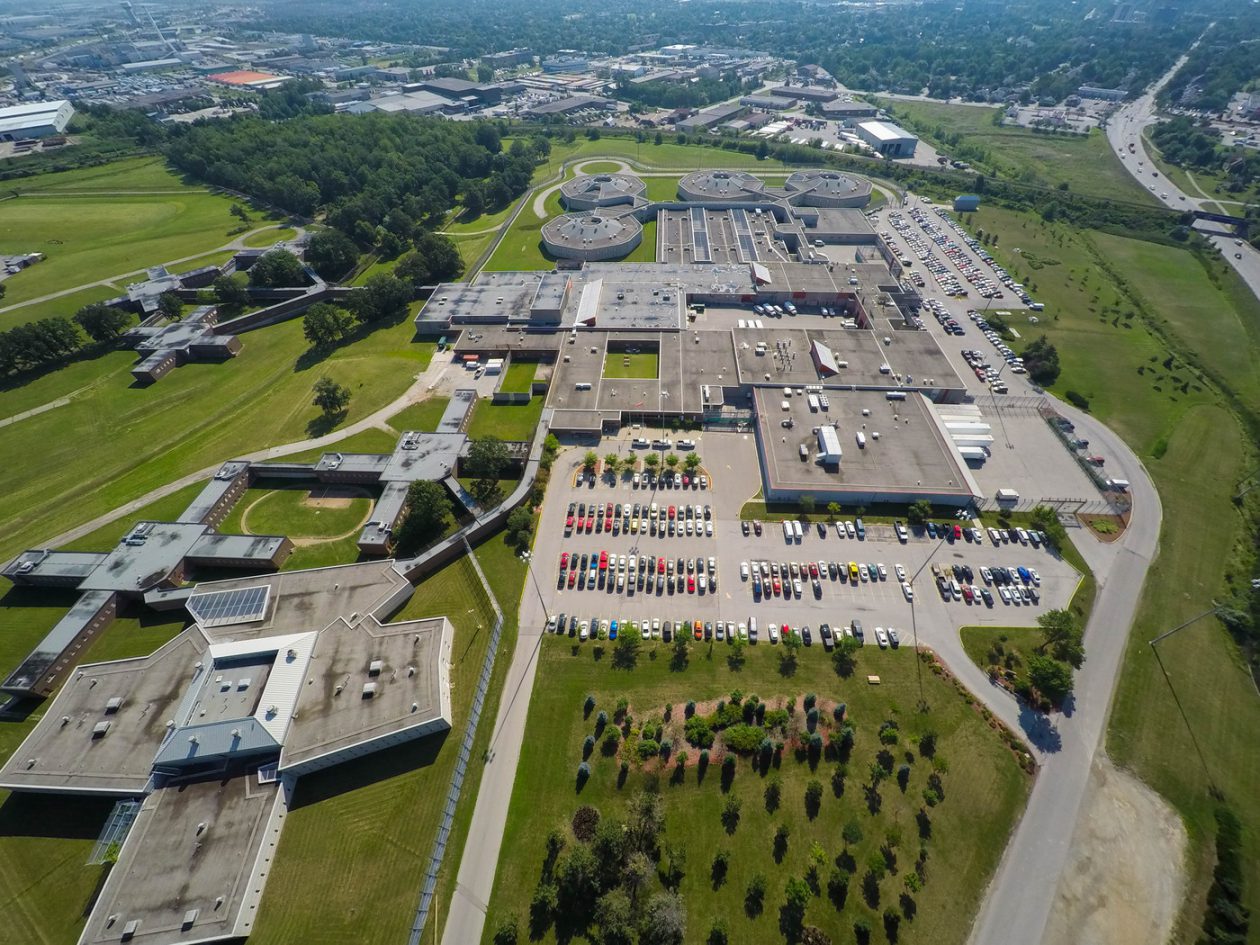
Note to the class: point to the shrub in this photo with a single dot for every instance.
(648, 748)
(585, 820)
(742, 738)
(903, 777)
(506, 933)
(813, 798)
(1077, 399)
(730, 813)
(755, 895)
(690, 709)
(612, 738)
(852, 833)
(810, 700)
(772, 794)
(601, 720)
(861, 931)
(583, 774)
(698, 732)
(588, 706)
(838, 712)
(718, 934)
(588, 746)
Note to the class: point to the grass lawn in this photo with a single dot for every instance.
(984, 789)
(372, 440)
(644, 364)
(127, 440)
(1175, 422)
(377, 818)
(1007, 648)
(424, 416)
(279, 509)
(646, 250)
(270, 236)
(64, 306)
(163, 510)
(1087, 164)
(506, 421)
(519, 378)
(99, 236)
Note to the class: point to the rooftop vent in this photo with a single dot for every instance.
(369, 690)
(113, 704)
(375, 667)
(130, 929)
(189, 918)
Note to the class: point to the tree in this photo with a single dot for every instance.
(231, 294)
(487, 135)
(506, 933)
(383, 297)
(919, 512)
(789, 653)
(652, 460)
(1047, 520)
(1041, 359)
(171, 305)
(444, 260)
(612, 462)
(520, 525)
(324, 325)
(614, 918)
(796, 896)
(428, 510)
(589, 460)
(664, 920)
(277, 268)
(626, 649)
(852, 833)
(1063, 636)
(671, 460)
(833, 510)
(331, 253)
(102, 322)
(844, 656)
(755, 894)
(330, 397)
(691, 462)
(1050, 678)
(637, 872)
(488, 458)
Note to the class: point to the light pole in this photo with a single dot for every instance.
(914, 622)
(528, 558)
(1168, 681)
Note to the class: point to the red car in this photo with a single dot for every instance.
(564, 560)
(608, 511)
(603, 560)
(778, 588)
(691, 584)
(572, 577)
(671, 512)
(967, 595)
(786, 631)
(568, 523)
(590, 524)
(686, 481)
(813, 569)
(660, 565)
(957, 532)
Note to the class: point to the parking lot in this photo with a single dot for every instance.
(730, 460)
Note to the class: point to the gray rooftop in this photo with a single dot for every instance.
(53, 646)
(910, 456)
(56, 565)
(190, 847)
(423, 456)
(200, 508)
(138, 563)
(262, 549)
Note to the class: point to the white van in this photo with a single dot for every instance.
(861, 440)
(581, 385)
(787, 530)
(796, 531)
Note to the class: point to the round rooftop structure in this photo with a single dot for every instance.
(722, 185)
(823, 188)
(595, 191)
(591, 236)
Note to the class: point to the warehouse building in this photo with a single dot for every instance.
(888, 139)
(35, 120)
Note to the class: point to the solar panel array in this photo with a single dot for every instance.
(700, 252)
(221, 608)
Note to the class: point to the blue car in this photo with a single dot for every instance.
(612, 630)
(1024, 575)
(931, 529)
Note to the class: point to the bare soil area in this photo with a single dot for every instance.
(1125, 877)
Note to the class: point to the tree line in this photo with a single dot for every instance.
(48, 341)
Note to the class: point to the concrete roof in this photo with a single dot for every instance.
(910, 456)
(884, 130)
(214, 490)
(132, 568)
(588, 231)
(260, 548)
(68, 759)
(191, 846)
(55, 564)
(430, 456)
(52, 648)
(411, 686)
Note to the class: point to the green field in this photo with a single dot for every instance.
(643, 364)
(269, 236)
(114, 442)
(1177, 422)
(984, 788)
(295, 511)
(378, 819)
(1086, 164)
(1007, 648)
(519, 378)
(425, 415)
(506, 421)
(166, 509)
(91, 228)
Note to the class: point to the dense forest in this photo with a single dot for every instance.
(683, 95)
(962, 48)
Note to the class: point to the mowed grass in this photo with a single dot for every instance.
(1007, 648)
(269, 236)
(425, 415)
(984, 789)
(519, 378)
(1087, 164)
(1196, 453)
(506, 421)
(352, 857)
(643, 364)
(166, 509)
(115, 442)
(288, 510)
(90, 237)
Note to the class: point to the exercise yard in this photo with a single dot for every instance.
(622, 365)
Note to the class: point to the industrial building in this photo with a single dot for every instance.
(276, 678)
(596, 191)
(592, 236)
(34, 120)
(888, 139)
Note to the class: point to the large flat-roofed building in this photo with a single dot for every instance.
(34, 120)
(277, 677)
(888, 139)
(882, 449)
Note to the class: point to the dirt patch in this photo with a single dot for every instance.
(1125, 876)
(333, 497)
